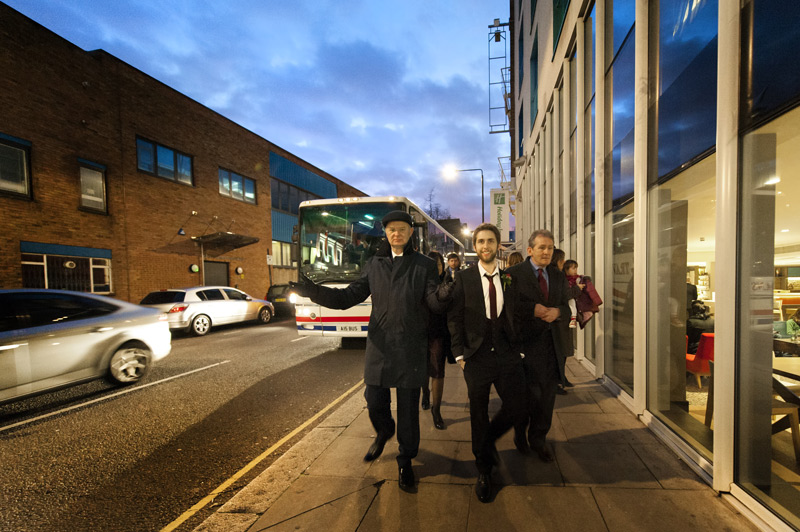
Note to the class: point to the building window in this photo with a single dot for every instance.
(282, 254)
(236, 186)
(61, 272)
(164, 162)
(288, 198)
(15, 175)
(93, 187)
(533, 12)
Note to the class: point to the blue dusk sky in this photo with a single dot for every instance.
(380, 94)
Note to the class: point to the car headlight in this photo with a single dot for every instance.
(293, 298)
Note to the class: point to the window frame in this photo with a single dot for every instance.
(25, 148)
(177, 160)
(101, 169)
(226, 188)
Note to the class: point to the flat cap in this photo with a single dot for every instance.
(398, 216)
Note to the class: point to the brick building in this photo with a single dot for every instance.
(114, 183)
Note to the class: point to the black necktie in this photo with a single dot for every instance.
(543, 285)
(492, 297)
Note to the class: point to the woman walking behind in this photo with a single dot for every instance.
(438, 348)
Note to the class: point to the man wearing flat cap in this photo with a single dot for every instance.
(404, 288)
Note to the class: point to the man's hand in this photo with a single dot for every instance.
(462, 363)
(445, 292)
(548, 314)
(305, 287)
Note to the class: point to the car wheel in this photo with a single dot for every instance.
(200, 326)
(129, 364)
(264, 315)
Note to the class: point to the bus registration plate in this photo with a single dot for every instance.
(348, 328)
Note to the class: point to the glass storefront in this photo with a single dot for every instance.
(588, 184)
(681, 219)
(768, 352)
(769, 366)
(681, 302)
(619, 204)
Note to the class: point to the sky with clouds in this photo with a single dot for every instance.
(380, 93)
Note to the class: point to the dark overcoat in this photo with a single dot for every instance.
(529, 329)
(404, 292)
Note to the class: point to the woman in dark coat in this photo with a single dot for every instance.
(438, 352)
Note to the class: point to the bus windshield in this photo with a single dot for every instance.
(336, 240)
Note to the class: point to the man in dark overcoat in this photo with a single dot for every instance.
(403, 284)
(541, 313)
(482, 340)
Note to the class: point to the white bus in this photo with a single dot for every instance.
(336, 237)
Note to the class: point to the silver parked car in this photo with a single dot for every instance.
(197, 309)
(55, 338)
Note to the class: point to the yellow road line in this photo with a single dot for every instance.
(222, 487)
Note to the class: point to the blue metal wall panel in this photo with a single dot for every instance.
(71, 251)
(294, 174)
(282, 225)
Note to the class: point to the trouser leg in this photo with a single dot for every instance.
(379, 406)
(511, 387)
(478, 375)
(543, 378)
(407, 424)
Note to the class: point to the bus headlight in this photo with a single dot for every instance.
(293, 298)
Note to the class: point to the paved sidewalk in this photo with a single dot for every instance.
(611, 474)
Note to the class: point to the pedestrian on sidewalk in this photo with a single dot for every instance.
(541, 312)
(438, 352)
(403, 284)
(481, 329)
(558, 261)
(453, 264)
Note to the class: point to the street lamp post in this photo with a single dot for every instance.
(452, 171)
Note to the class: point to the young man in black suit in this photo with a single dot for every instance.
(541, 316)
(481, 330)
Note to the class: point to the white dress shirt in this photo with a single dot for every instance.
(498, 288)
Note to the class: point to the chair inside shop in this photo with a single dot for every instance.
(698, 363)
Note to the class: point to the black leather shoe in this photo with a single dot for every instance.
(561, 390)
(567, 383)
(407, 480)
(438, 422)
(376, 448)
(483, 488)
(521, 443)
(544, 454)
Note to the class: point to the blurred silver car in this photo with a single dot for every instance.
(197, 309)
(54, 338)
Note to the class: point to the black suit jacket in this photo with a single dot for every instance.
(466, 319)
(525, 294)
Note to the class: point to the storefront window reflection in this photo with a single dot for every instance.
(768, 369)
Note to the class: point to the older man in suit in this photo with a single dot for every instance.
(482, 338)
(541, 314)
(404, 287)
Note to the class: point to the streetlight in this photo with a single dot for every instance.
(450, 173)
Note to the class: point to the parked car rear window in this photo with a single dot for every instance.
(277, 290)
(158, 298)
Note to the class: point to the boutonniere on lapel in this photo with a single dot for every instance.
(505, 280)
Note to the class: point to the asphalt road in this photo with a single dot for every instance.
(139, 460)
